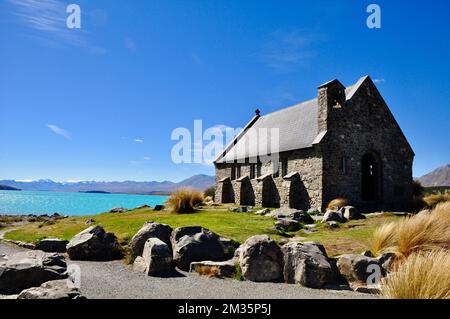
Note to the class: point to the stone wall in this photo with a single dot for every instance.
(332, 169)
(365, 125)
(303, 193)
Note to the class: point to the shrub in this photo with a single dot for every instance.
(423, 275)
(184, 201)
(337, 203)
(210, 192)
(417, 189)
(426, 231)
(437, 198)
(418, 204)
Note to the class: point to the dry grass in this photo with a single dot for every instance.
(184, 201)
(337, 203)
(6, 219)
(423, 275)
(426, 231)
(211, 272)
(384, 237)
(434, 199)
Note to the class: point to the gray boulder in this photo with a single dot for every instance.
(156, 258)
(261, 260)
(95, 244)
(139, 264)
(215, 268)
(240, 209)
(332, 215)
(150, 230)
(288, 224)
(292, 213)
(55, 289)
(356, 266)
(262, 212)
(308, 264)
(350, 213)
(52, 245)
(30, 269)
(303, 217)
(195, 243)
(386, 261)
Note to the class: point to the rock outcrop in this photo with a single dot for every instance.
(56, 289)
(333, 216)
(150, 230)
(95, 244)
(52, 245)
(261, 260)
(195, 243)
(308, 264)
(30, 269)
(357, 266)
(156, 258)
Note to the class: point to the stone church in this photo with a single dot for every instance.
(345, 143)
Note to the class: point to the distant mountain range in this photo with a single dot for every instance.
(198, 182)
(438, 177)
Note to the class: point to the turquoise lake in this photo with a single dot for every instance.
(72, 204)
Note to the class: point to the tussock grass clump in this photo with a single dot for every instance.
(423, 275)
(426, 231)
(434, 199)
(337, 203)
(211, 272)
(184, 201)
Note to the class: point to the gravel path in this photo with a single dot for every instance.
(116, 280)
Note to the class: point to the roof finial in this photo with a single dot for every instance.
(257, 111)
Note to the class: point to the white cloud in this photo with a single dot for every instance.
(57, 130)
(46, 20)
(378, 80)
(147, 158)
(139, 140)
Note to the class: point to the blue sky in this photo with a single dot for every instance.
(100, 102)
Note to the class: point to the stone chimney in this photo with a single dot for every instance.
(330, 98)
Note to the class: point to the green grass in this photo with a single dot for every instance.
(433, 190)
(351, 237)
(237, 226)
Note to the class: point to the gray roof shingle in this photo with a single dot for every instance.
(297, 127)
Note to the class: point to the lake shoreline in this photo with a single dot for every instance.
(41, 203)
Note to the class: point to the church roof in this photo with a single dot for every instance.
(297, 128)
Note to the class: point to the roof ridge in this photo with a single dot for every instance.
(352, 87)
(290, 107)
